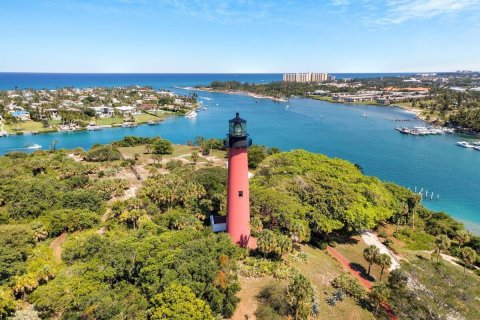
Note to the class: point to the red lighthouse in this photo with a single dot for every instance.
(238, 203)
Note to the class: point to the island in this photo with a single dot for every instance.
(30, 111)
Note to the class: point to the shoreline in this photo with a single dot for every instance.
(105, 126)
(415, 111)
(234, 92)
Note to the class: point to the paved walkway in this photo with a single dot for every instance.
(371, 239)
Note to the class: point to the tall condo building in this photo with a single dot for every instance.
(305, 77)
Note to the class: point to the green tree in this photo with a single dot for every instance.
(266, 241)
(384, 261)
(162, 146)
(379, 295)
(69, 220)
(370, 254)
(468, 256)
(442, 243)
(16, 243)
(195, 157)
(178, 302)
(398, 279)
(462, 237)
(300, 295)
(7, 303)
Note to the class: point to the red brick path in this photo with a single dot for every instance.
(367, 284)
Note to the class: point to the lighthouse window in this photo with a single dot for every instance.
(240, 194)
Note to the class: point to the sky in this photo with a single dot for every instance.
(242, 36)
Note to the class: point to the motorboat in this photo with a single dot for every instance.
(465, 144)
(191, 114)
(91, 127)
(34, 147)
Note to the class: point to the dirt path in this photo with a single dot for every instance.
(56, 246)
(367, 284)
(334, 253)
(250, 288)
(371, 239)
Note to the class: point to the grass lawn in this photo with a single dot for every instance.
(322, 98)
(109, 121)
(144, 117)
(178, 150)
(220, 154)
(29, 125)
(320, 268)
(250, 288)
(353, 251)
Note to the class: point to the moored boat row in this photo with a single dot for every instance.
(423, 131)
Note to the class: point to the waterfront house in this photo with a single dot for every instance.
(103, 111)
(52, 112)
(126, 110)
(21, 115)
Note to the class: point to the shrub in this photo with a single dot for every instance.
(383, 234)
(7, 303)
(132, 141)
(415, 240)
(162, 146)
(388, 242)
(349, 285)
(174, 164)
(82, 199)
(103, 153)
(69, 220)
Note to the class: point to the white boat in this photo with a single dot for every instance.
(365, 115)
(191, 114)
(128, 125)
(477, 148)
(34, 147)
(94, 128)
(476, 143)
(153, 123)
(465, 144)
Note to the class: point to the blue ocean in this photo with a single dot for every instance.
(432, 163)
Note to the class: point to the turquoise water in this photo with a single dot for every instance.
(434, 163)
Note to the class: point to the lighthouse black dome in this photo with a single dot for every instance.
(237, 136)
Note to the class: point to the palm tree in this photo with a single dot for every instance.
(462, 237)
(300, 294)
(384, 261)
(370, 254)
(442, 243)
(468, 256)
(379, 294)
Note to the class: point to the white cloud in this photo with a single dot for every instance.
(386, 12)
(400, 11)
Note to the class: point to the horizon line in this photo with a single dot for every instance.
(363, 72)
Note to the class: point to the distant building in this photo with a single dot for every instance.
(103, 112)
(20, 115)
(125, 110)
(305, 77)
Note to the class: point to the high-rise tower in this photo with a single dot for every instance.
(238, 202)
